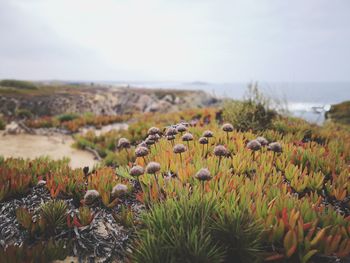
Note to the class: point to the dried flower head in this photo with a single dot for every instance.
(203, 175)
(41, 183)
(136, 171)
(152, 168)
(254, 145)
(153, 131)
(141, 151)
(181, 128)
(227, 127)
(123, 143)
(154, 137)
(275, 147)
(262, 141)
(220, 150)
(148, 141)
(91, 196)
(187, 137)
(119, 189)
(142, 144)
(171, 131)
(203, 140)
(208, 134)
(170, 137)
(179, 148)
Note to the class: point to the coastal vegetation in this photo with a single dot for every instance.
(203, 185)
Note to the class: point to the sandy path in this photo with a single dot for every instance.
(55, 146)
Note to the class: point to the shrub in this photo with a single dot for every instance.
(67, 117)
(252, 113)
(24, 114)
(2, 124)
(19, 84)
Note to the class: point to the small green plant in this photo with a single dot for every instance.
(67, 117)
(53, 214)
(125, 217)
(2, 124)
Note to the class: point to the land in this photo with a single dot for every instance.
(48, 99)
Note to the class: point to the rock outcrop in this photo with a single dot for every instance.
(102, 100)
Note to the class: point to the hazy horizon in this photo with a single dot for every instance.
(158, 40)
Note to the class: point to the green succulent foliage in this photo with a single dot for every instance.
(39, 253)
(196, 229)
(54, 214)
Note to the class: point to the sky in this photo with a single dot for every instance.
(175, 40)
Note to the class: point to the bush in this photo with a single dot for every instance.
(196, 229)
(67, 117)
(24, 114)
(2, 124)
(19, 84)
(252, 113)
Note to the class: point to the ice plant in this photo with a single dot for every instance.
(179, 149)
(227, 127)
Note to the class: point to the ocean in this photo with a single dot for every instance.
(308, 100)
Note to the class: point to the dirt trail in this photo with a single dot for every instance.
(55, 146)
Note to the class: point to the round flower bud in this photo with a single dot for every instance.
(275, 147)
(153, 131)
(254, 145)
(141, 151)
(171, 131)
(154, 137)
(187, 137)
(203, 174)
(181, 128)
(227, 127)
(119, 190)
(262, 141)
(123, 143)
(208, 134)
(148, 141)
(91, 196)
(220, 150)
(136, 171)
(203, 140)
(179, 148)
(142, 144)
(152, 168)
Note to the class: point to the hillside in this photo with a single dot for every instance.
(42, 99)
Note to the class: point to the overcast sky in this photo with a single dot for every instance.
(178, 40)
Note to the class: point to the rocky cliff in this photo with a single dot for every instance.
(53, 99)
